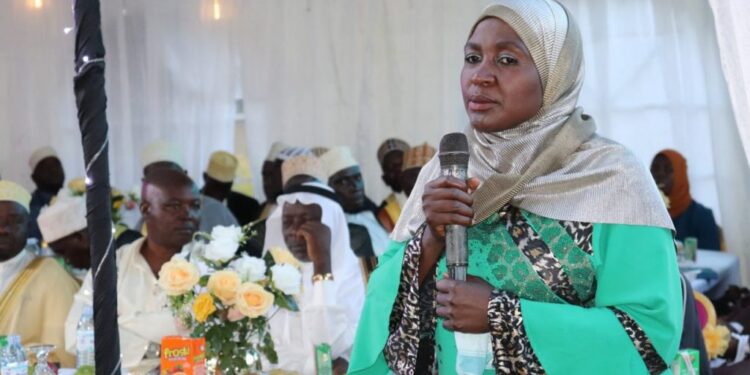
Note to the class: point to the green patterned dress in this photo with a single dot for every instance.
(570, 298)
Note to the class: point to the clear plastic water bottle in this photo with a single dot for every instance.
(14, 358)
(3, 345)
(85, 338)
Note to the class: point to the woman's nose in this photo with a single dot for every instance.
(481, 78)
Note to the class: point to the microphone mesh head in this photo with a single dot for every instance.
(454, 150)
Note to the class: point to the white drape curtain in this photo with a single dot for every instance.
(328, 72)
(733, 35)
(171, 74)
(353, 72)
(37, 106)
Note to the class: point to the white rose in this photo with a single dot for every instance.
(220, 250)
(287, 278)
(250, 268)
(224, 243)
(220, 232)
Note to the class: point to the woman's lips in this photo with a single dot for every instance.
(481, 103)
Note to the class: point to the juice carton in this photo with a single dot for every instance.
(323, 359)
(183, 356)
(686, 362)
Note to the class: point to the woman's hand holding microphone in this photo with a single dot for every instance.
(462, 304)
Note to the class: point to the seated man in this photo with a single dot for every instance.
(271, 173)
(171, 210)
(313, 227)
(35, 292)
(345, 177)
(165, 155)
(391, 155)
(299, 166)
(48, 176)
(219, 178)
(64, 227)
(690, 218)
(414, 160)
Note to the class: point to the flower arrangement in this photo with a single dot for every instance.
(229, 298)
(120, 200)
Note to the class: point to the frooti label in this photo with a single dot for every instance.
(177, 353)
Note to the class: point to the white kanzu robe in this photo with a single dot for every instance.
(143, 315)
(329, 310)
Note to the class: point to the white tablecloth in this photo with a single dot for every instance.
(726, 266)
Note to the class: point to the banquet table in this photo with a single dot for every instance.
(725, 265)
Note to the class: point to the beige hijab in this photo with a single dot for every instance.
(554, 164)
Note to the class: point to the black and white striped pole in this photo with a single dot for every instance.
(91, 101)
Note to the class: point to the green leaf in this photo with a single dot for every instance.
(204, 280)
(214, 342)
(268, 349)
(199, 331)
(268, 258)
(284, 301)
(227, 348)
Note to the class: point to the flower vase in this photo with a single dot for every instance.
(213, 366)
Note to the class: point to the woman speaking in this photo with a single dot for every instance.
(571, 259)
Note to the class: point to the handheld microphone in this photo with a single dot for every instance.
(454, 161)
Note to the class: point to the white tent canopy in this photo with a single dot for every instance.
(329, 72)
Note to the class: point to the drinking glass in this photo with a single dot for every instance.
(42, 353)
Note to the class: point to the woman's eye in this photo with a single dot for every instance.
(472, 59)
(506, 60)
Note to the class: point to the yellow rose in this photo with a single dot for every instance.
(117, 204)
(203, 306)
(178, 276)
(223, 284)
(283, 256)
(253, 300)
(77, 185)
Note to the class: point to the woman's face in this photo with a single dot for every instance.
(661, 169)
(499, 81)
